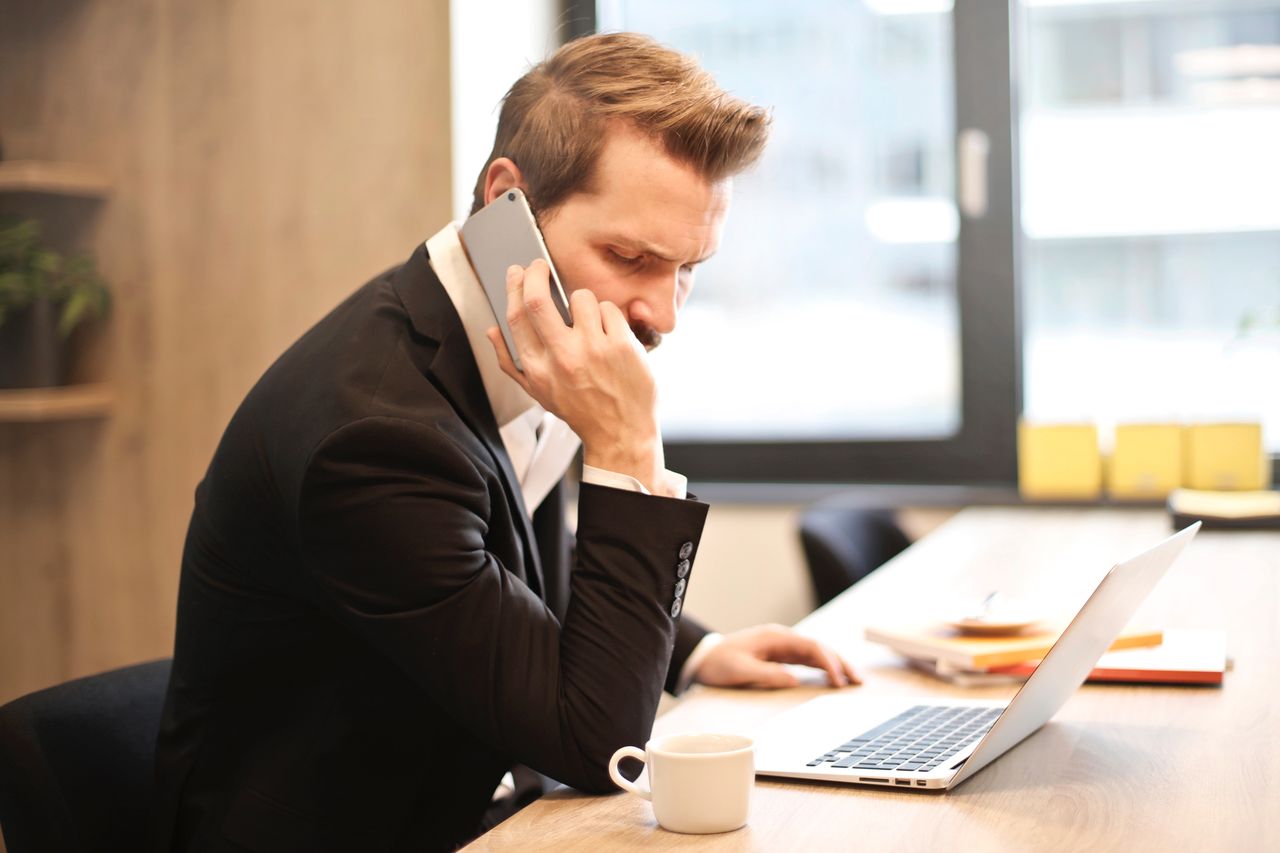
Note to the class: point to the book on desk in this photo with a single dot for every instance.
(1174, 656)
(966, 651)
(1252, 510)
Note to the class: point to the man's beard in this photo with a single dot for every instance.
(647, 336)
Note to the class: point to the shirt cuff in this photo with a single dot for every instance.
(695, 659)
(675, 485)
(505, 788)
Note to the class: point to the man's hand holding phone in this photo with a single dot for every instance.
(593, 375)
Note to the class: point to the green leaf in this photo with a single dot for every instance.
(46, 261)
(17, 240)
(13, 285)
(15, 291)
(73, 311)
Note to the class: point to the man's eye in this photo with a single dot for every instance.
(625, 260)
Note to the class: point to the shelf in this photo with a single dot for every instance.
(41, 176)
(64, 403)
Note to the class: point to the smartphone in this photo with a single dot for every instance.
(501, 234)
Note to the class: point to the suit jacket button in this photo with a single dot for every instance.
(676, 606)
(685, 550)
(682, 569)
(680, 585)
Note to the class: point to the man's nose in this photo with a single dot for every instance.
(656, 307)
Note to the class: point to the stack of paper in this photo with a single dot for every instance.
(942, 644)
(1159, 657)
(1260, 510)
(1185, 657)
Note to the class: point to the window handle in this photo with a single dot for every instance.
(972, 147)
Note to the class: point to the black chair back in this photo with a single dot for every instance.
(843, 546)
(76, 762)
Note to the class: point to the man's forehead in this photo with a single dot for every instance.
(674, 223)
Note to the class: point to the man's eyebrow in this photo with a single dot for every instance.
(657, 252)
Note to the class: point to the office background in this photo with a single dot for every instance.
(266, 158)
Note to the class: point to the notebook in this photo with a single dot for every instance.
(1187, 656)
(851, 738)
(949, 646)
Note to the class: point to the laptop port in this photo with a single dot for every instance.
(920, 782)
(906, 782)
(876, 781)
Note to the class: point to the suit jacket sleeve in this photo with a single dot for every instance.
(688, 634)
(393, 517)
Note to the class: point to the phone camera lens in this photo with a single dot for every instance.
(511, 196)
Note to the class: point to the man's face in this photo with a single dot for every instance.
(637, 236)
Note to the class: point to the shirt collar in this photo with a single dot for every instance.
(449, 261)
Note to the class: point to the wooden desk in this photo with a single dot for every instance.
(1118, 768)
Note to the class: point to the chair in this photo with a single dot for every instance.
(76, 762)
(843, 546)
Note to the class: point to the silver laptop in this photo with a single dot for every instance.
(855, 739)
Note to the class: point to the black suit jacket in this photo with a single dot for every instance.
(371, 631)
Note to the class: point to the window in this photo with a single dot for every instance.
(862, 321)
(847, 175)
(1150, 180)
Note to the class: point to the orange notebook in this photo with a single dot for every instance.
(947, 645)
(1185, 657)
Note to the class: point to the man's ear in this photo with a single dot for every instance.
(503, 174)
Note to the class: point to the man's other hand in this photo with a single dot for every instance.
(754, 657)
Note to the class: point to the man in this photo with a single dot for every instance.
(381, 611)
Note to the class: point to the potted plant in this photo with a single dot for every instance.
(43, 298)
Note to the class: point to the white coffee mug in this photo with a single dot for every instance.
(698, 783)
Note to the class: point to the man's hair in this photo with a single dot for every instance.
(554, 119)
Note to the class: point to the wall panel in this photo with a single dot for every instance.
(267, 159)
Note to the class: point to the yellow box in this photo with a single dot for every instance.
(1146, 461)
(1059, 461)
(1224, 457)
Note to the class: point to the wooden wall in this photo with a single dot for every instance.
(268, 157)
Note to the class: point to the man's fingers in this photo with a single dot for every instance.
(523, 331)
(546, 320)
(613, 320)
(616, 326)
(839, 672)
(848, 671)
(758, 673)
(825, 659)
(585, 309)
(790, 647)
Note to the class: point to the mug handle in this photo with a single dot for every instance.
(620, 780)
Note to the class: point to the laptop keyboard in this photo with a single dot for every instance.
(919, 738)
